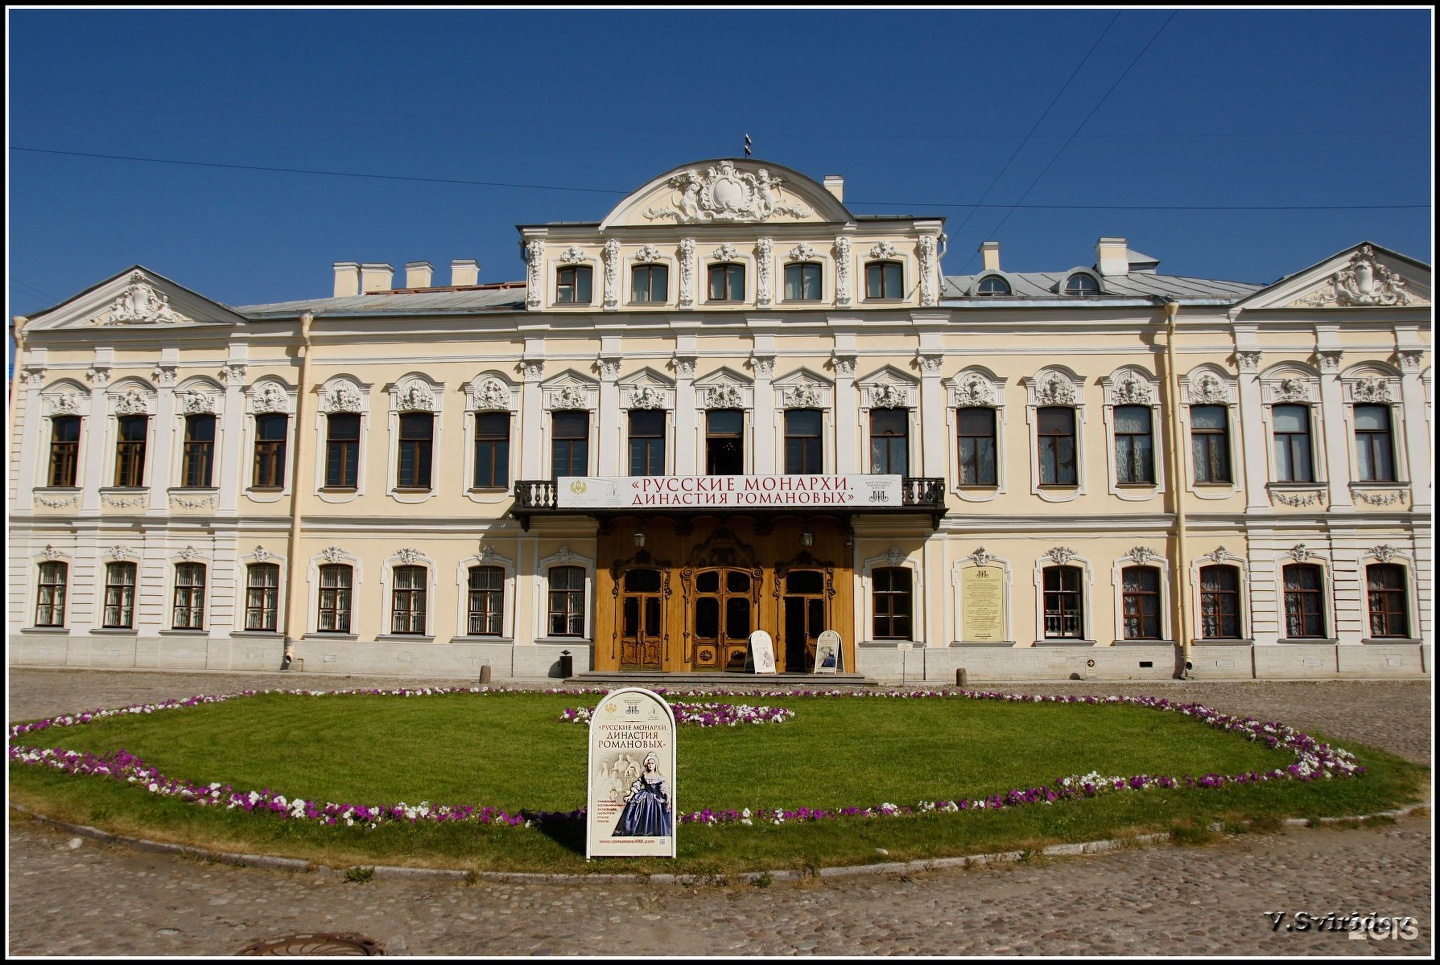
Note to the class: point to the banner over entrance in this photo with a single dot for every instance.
(727, 492)
(630, 808)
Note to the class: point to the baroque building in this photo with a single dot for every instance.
(732, 405)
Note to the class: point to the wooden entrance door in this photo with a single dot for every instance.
(721, 617)
(641, 620)
(804, 611)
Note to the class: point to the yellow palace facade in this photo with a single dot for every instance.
(733, 405)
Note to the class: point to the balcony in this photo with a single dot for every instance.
(917, 494)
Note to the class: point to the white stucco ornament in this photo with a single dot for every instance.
(140, 303)
(724, 193)
(1364, 281)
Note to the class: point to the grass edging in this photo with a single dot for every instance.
(959, 862)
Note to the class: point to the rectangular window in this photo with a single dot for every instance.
(570, 445)
(727, 283)
(1304, 601)
(890, 441)
(882, 280)
(1055, 431)
(1292, 443)
(492, 450)
(1140, 602)
(119, 595)
(649, 283)
(892, 603)
(270, 432)
(407, 601)
(50, 600)
(417, 430)
(342, 450)
(189, 596)
(1220, 603)
(572, 285)
(199, 457)
(262, 596)
(334, 609)
(803, 451)
(977, 446)
(130, 450)
(802, 282)
(725, 442)
(64, 450)
(1389, 610)
(1064, 616)
(1373, 443)
(647, 442)
(1210, 443)
(1134, 446)
(487, 601)
(567, 601)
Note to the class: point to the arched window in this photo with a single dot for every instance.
(992, 285)
(1082, 285)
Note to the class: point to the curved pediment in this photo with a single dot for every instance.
(728, 191)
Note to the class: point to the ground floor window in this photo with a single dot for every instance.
(262, 596)
(407, 601)
(487, 601)
(189, 596)
(334, 608)
(1389, 612)
(567, 601)
(892, 594)
(1064, 613)
(1141, 602)
(119, 595)
(50, 603)
(1304, 601)
(1220, 603)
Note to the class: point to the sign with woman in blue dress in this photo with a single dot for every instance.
(631, 803)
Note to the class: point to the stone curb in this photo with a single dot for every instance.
(747, 877)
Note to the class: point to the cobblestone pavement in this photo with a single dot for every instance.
(75, 896)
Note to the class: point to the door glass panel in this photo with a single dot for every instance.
(817, 618)
(652, 616)
(737, 618)
(642, 581)
(708, 582)
(737, 582)
(632, 613)
(707, 618)
(804, 581)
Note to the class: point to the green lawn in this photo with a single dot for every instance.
(508, 750)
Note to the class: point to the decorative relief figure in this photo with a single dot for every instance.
(1371, 389)
(131, 403)
(1128, 389)
(233, 374)
(1364, 281)
(889, 397)
(119, 553)
(648, 255)
(895, 556)
(189, 554)
(883, 249)
(197, 402)
(260, 554)
(927, 271)
(343, 396)
(983, 558)
(32, 378)
(1290, 390)
(685, 366)
(726, 252)
(687, 272)
(612, 273)
(1384, 552)
(1218, 555)
(69, 403)
(334, 554)
(1409, 360)
(492, 394)
(1060, 555)
(1208, 390)
(1299, 553)
(569, 397)
(164, 375)
(762, 272)
(842, 271)
(647, 397)
(415, 397)
(270, 398)
(1329, 360)
(974, 389)
(724, 397)
(533, 369)
(801, 397)
(725, 194)
(52, 554)
(1248, 361)
(573, 255)
(564, 557)
(764, 366)
(802, 252)
(98, 376)
(609, 369)
(1142, 554)
(1054, 389)
(931, 364)
(140, 303)
(534, 261)
(410, 556)
(845, 366)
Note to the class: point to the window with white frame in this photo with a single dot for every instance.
(189, 609)
(1055, 438)
(262, 596)
(570, 443)
(1210, 443)
(342, 450)
(1220, 616)
(977, 449)
(1304, 585)
(567, 601)
(198, 460)
(333, 610)
(1064, 602)
(1140, 602)
(1374, 444)
(890, 441)
(130, 450)
(119, 596)
(485, 611)
(1387, 600)
(492, 450)
(1293, 453)
(407, 600)
(416, 450)
(647, 442)
(64, 450)
(271, 430)
(1134, 446)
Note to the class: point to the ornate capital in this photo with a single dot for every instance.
(233, 375)
(1248, 362)
(32, 378)
(931, 364)
(609, 369)
(1410, 359)
(685, 366)
(764, 366)
(1329, 360)
(534, 369)
(98, 376)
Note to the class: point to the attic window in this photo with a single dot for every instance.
(1082, 285)
(992, 285)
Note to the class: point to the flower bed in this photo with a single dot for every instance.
(1312, 761)
(702, 715)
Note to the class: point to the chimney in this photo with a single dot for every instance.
(464, 271)
(376, 278)
(417, 274)
(990, 255)
(1110, 257)
(835, 184)
(347, 278)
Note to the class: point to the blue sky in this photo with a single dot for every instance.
(1235, 144)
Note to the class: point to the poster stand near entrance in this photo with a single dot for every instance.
(828, 653)
(762, 652)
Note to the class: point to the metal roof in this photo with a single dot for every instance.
(1140, 284)
(461, 301)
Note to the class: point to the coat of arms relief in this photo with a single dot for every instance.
(724, 193)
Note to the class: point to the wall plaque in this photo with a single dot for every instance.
(982, 591)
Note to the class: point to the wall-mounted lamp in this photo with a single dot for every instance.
(807, 538)
(640, 538)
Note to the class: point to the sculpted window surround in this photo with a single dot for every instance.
(1208, 418)
(416, 421)
(64, 451)
(342, 417)
(1057, 463)
(1132, 423)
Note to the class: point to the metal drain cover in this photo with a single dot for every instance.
(318, 944)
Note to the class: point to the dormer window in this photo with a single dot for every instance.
(802, 282)
(572, 285)
(992, 285)
(883, 279)
(727, 283)
(1082, 285)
